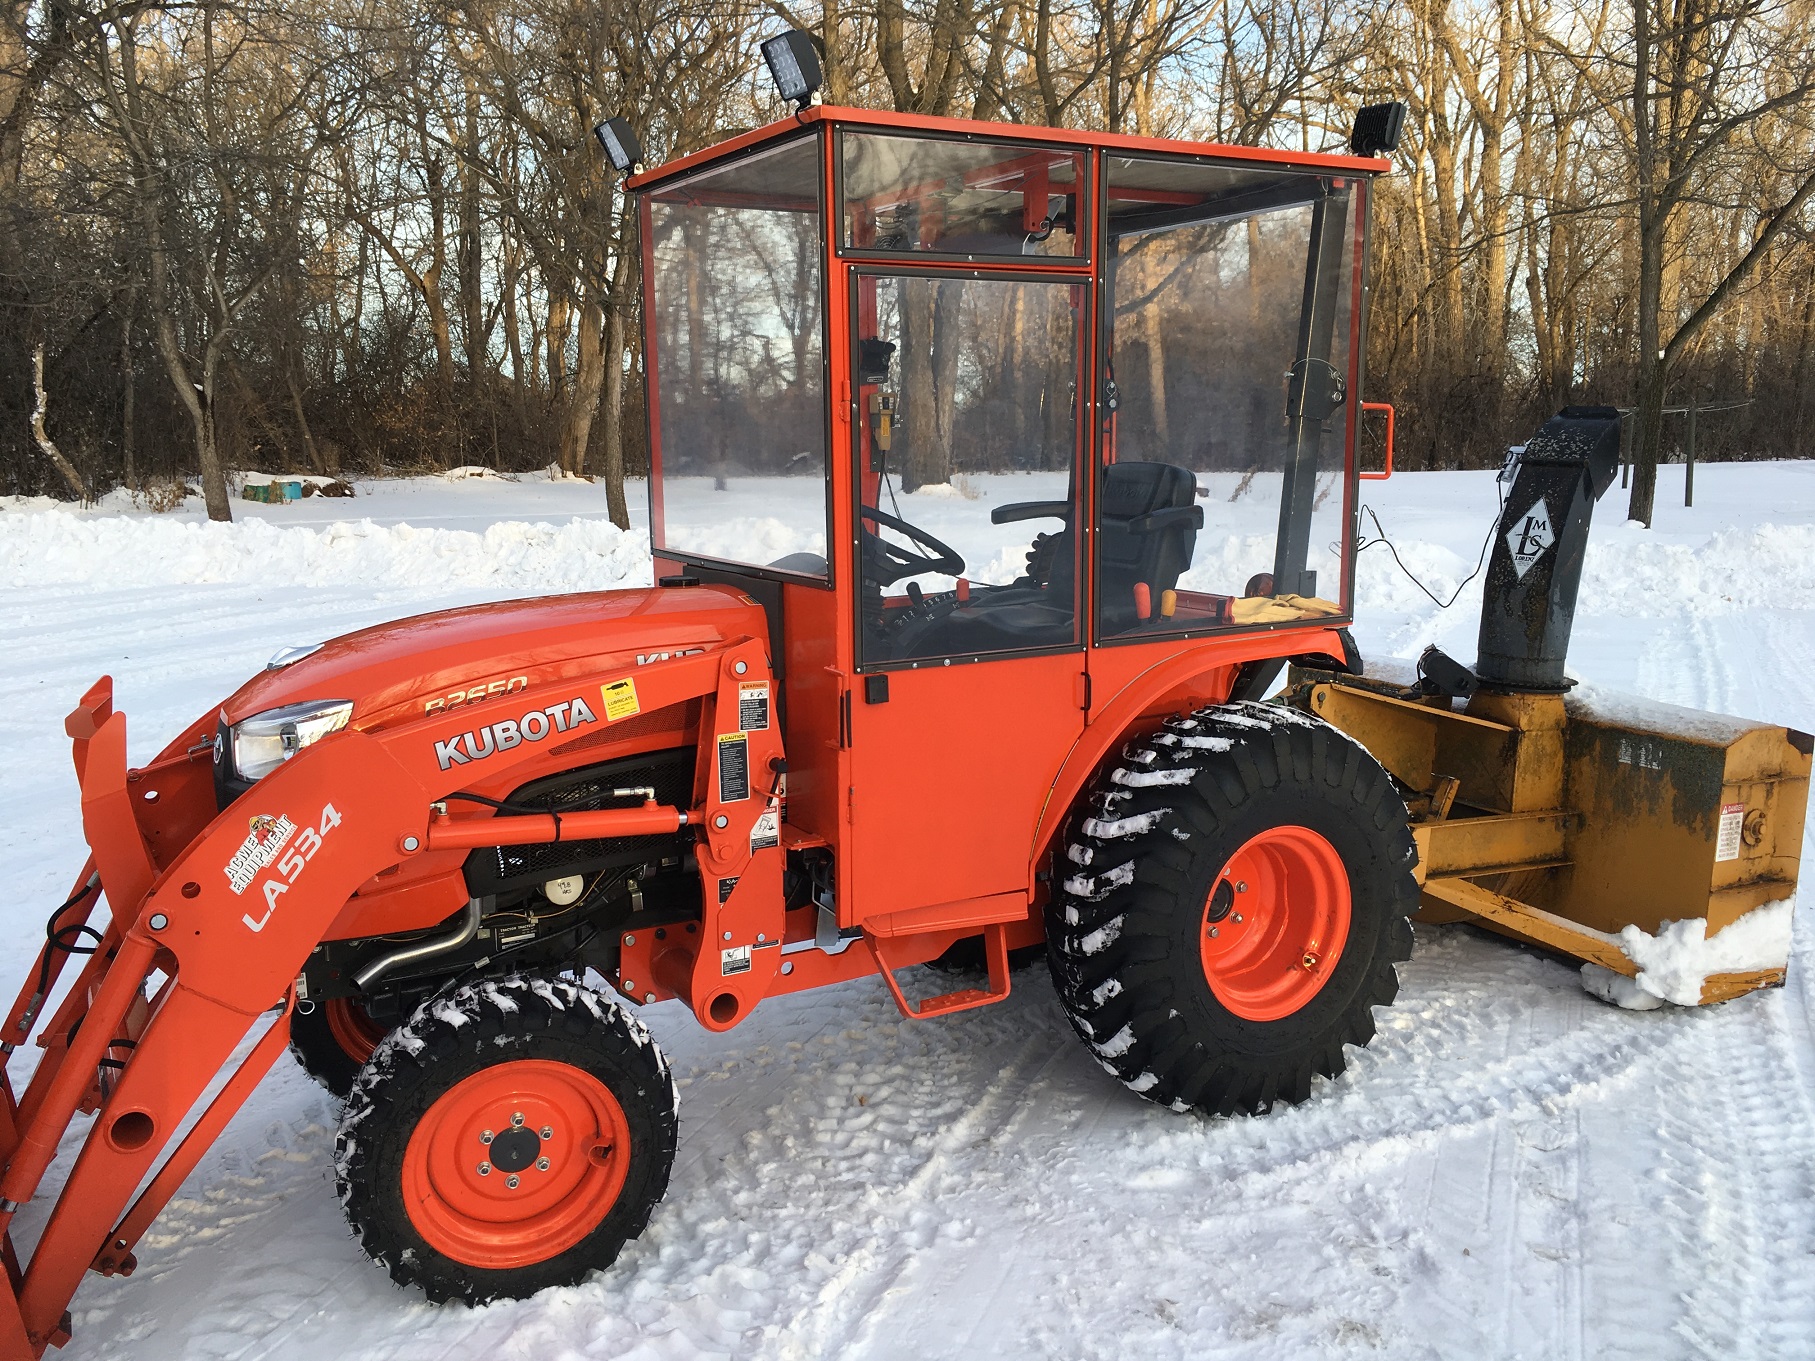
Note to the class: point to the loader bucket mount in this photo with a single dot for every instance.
(209, 930)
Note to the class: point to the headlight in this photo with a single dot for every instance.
(265, 741)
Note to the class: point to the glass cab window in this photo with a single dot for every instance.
(966, 452)
(736, 324)
(1227, 372)
(916, 195)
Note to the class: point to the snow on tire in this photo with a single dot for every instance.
(512, 1135)
(1234, 900)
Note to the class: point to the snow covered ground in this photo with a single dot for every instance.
(1513, 1169)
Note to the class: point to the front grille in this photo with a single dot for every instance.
(494, 869)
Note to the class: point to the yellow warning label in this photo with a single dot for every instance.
(620, 698)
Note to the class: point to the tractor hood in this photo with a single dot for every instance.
(398, 671)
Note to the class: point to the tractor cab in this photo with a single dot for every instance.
(995, 420)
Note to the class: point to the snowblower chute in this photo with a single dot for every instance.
(1650, 841)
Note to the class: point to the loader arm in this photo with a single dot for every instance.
(225, 928)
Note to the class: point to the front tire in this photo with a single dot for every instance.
(1237, 900)
(511, 1136)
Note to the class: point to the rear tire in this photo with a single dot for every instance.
(1236, 899)
(511, 1136)
(334, 1041)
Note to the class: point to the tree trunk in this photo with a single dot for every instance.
(128, 389)
(46, 445)
(302, 422)
(920, 460)
(589, 381)
(1648, 430)
(617, 337)
(1652, 369)
(207, 442)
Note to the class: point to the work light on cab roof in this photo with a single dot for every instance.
(793, 62)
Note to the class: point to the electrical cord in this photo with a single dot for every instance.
(1380, 537)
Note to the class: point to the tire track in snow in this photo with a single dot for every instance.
(1734, 1165)
(844, 1310)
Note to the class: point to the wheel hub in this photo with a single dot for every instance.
(1275, 922)
(516, 1163)
(515, 1150)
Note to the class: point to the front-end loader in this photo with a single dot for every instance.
(447, 860)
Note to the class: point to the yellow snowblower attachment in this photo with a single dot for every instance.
(1657, 843)
(1590, 823)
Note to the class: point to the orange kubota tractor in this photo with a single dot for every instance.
(447, 859)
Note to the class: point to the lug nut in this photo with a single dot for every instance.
(516, 1119)
(511, 1181)
(485, 1169)
(1238, 918)
(485, 1136)
(1241, 885)
(548, 1131)
(1213, 932)
(541, 1164)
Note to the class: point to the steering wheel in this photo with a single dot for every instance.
(885, 563)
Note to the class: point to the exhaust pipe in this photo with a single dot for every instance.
(461, 932)
(1529, 604)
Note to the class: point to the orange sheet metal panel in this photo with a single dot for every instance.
(949, 777)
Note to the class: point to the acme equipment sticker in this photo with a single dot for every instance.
(263, 844)
(513, 732)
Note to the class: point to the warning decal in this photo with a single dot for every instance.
(767, 831)
(753, 706)
(1726, 841)
(620, 698)
(733, 767)
(734, 960)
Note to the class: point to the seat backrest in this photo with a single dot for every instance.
(1127, 555)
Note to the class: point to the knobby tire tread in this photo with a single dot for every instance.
(552, 1018)
(1146, 844)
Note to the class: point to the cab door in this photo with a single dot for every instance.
(969, 688)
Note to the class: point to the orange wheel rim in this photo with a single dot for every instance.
(353, 1030)
(516, 1164)
(1275, 923)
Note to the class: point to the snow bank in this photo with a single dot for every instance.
(58, 548)
(1628, 571)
